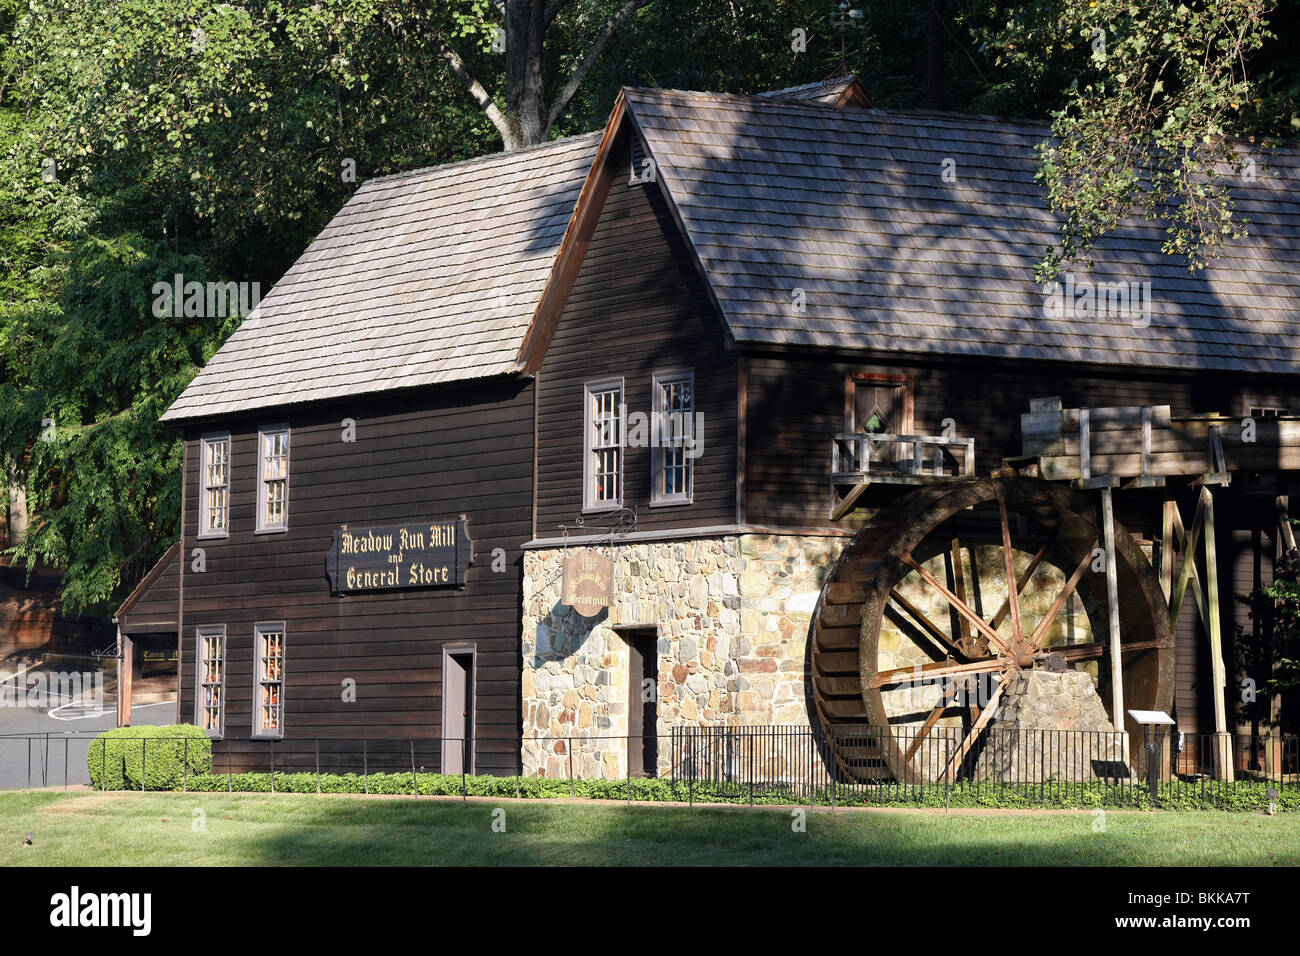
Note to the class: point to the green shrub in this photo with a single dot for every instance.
(118, 758)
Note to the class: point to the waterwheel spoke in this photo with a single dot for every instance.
(1050, 617)
(929, 672)
(946, 700)
(928, 625)
(962, 607)
(1013, 592)
(1034, 562)
(959, 584)
(977, 728)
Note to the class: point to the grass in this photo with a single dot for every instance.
(161, 829)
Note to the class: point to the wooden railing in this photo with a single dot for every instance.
(857, 456)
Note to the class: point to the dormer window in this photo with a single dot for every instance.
(273, 479)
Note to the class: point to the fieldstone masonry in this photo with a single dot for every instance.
(1083, 741)
(732, 616)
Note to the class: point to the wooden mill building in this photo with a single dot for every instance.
(879, 421)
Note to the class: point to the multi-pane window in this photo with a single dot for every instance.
(272, 478)
(603, 467)
(268, 705)
(672, 458)
(211, 664)
(214, 497)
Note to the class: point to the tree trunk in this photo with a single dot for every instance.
(525, 90)
(934, 91)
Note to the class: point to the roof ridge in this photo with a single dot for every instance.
(768, 101)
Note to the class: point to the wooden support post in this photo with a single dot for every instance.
(1167, 548)
(1112, 603)
(1223, 768)
(125, 670)
(1085, 444)
(1146, 441)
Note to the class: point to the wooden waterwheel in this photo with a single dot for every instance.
(919, 603)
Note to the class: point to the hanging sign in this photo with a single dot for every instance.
(394, 557)
(588, 581)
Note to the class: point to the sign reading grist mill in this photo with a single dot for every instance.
(421, 555)
(588, 581)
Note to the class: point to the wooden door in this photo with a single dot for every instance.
(880, 403)
(458, 711)
(643, 703)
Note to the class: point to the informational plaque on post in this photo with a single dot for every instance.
(395, 557)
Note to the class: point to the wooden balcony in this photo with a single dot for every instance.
(859, 460)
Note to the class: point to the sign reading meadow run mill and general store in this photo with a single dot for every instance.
(393, 557)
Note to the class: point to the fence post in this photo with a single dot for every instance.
(103, 765)
(29, 763)
(690, 777)
(45, 762)
(65, 763)
(572, 794)
(833, 769)
(185, 768)
(230, 780)
(317, 765)
(365, 765)
(947, 776)
(144, 748)
(272, 746)
(415, 781)
(464, 762)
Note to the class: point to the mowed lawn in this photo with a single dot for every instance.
(165, 829)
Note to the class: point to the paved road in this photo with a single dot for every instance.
(71, 729)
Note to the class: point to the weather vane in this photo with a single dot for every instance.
(845, 17)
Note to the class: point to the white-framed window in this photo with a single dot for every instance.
(268, 671)
(210, 678)
(214, 487)
(273, 478)
(602, 469)
(672, 467)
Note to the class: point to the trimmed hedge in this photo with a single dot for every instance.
(119, 758)
(1243, 796)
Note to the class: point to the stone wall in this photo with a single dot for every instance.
(1083, 745)
(731, 616)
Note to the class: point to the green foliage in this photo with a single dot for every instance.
(118, 758)
(1249, 796)
(1145, 131)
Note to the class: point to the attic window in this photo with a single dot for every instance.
(641, 167)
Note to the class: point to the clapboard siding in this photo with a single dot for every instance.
(637, 307)
(424, 456)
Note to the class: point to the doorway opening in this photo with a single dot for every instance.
(642, 701)
(458, 709)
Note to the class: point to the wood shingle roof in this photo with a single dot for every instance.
(422, 278)
(434, 276)
(852, 208)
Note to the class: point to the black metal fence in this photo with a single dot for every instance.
(837, 766)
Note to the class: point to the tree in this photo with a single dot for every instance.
(529, 112)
